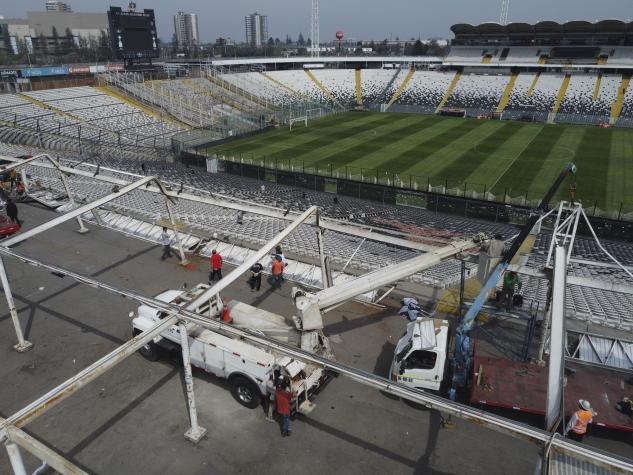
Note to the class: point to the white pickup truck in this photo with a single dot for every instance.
(420, 358)
(250, 369)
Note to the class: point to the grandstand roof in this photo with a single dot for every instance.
(543, 29)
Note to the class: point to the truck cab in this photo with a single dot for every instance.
(421, 355)
(250, 369)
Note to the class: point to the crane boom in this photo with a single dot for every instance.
(311, 306)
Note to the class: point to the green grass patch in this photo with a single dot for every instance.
(522, 159)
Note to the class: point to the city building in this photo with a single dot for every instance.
(55, 6)
(256, 29)
(186, 29)
(52, 30)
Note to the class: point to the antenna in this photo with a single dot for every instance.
(315, 50)
(503, 17)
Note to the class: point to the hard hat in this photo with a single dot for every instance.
(586, 405)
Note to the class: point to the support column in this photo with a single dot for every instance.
(22, 344)
(195, 433)
(172, 219)
(15, 457)
(82, 229)
(324, 275)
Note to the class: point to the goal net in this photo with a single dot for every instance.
(295, 120)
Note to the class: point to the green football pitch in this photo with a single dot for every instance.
(482, 155)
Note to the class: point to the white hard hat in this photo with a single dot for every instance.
(586, 405)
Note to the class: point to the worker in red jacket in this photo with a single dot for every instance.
(283, 398)
(216, 266)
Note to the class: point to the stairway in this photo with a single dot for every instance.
(505, 98)
(320, 86)
(402, 87)
(561, 93)
(616, 108)
(533, 85)
(487, 59)
(458, 75)
(543, 59)
(596, 91)
(281, 84)
(359, 90)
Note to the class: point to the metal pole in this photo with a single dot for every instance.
(195, 433)
(22, 345)
(324, 277)
(183, 258)
(15, 457)
(82, 229)
(461, 289)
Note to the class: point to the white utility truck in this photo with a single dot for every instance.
(250, 369)
(420, 358)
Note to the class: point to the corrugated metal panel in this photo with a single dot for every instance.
(607, 351)
(560, 464)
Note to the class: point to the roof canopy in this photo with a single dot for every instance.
(544, 28)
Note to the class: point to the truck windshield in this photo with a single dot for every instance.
(421, 359)
(404, 351)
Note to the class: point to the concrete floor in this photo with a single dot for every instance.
(132, 419)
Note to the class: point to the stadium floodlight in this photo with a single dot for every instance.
(314, 45)
(503, 17)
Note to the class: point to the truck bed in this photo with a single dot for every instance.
(509, 384)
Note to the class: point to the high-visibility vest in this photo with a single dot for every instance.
(583, 418)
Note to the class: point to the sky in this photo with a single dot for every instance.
(358, 19)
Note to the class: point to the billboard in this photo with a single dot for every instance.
(133, 34)
(48, 71)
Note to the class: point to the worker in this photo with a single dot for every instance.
(255, 280)
(283, 398)
(13, 177)
(12, 212)
(511, 283)
(577, 425)
(216, 266)
(279, 253)
(165, 238)
(277, 271)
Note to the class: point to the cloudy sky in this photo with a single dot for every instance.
(359, 19)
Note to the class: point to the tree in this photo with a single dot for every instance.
(288, 40)
(174, 44)
(418, 49)
(271, 41)
(301, 41)
(277, 41)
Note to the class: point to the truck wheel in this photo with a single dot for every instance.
(246, 392)
(149, 351)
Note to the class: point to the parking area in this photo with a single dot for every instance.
(132, 419)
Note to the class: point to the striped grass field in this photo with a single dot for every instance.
(496, 156)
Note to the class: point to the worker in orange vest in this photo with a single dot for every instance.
(577, 425)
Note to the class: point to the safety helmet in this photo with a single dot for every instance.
(586, 405)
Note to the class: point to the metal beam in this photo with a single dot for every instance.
(250, 261)
(22, 344)
(42, 452)
(475, 415)
(195, 432)
(365, 232)
(387, 275)
(76, 212)
(70, 386)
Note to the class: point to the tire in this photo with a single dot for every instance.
(246, 392)
(150, 350)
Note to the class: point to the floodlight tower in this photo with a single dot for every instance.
(315, 50)
(505, 6)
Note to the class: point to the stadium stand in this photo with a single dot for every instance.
(378, 85)
(299, 81)
(479, 93)
(426, 90)
(582, 105)
(341, 83)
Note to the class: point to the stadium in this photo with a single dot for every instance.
(383, 178)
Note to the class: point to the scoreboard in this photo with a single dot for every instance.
(133, 33)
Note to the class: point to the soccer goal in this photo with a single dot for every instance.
(295, 120)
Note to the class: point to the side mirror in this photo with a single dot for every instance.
(131, 314)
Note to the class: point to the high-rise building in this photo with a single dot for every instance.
(256, 29)
(55, 6)
(186, 29)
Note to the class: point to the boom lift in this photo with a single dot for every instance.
(463, 355)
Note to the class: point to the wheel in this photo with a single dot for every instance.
(246, 392)
(149, 350)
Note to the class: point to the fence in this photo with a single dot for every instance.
(464, 205)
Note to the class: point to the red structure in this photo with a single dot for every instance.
(339, 37)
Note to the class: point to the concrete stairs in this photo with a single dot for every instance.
(616, 108)
(402, 87)
(505, 98)
(450, 90)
